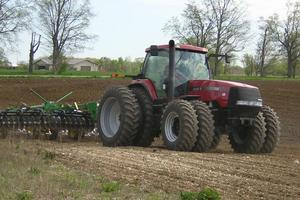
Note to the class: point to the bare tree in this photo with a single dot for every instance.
(13, 18)
(3, 60)
(231, 27)
(196, 26)
(217, 24)
(34, 46)
(265, 47)
(287, 34)
(64, 23)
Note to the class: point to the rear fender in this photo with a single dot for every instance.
(147, 85)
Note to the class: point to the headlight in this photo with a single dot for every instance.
(249, 103)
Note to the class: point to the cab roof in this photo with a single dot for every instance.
(185, 47)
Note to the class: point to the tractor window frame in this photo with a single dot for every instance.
(161, 92)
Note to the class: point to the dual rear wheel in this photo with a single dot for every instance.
(119, 116)
(125, 118)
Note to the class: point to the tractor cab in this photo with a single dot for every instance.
(190, 64)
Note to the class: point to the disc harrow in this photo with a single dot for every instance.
(49, 120)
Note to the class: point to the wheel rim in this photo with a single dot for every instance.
(110, 117)
(172, 127)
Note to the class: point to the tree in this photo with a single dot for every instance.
(196, 26)
(3, 60)
(64, 23)
(217, 24)
(265, 47)
(13, 18)
(120, 65)
(251, 66)
(287, 35)
(34, 46)
(231, 27)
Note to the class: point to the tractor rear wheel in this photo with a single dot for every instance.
(179, 126)
(205, 126)
(272, 130)
(248, 138)
(119, 117)
(146, 133)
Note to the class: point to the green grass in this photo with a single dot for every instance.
(22, 72)
(47, 155)
(111, 186)
(11, 73)
(26, 195)
(30, 172)
(205, 194)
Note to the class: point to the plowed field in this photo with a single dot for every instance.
(235, 176)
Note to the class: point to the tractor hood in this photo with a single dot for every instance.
(225, 93)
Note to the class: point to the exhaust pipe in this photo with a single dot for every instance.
(171, 78)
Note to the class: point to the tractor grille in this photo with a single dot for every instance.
(243, 94)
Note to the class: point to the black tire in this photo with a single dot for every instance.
(179, 126)
(205, 126)
(248, 138)
(146, 133)
(127, 121)
(272, 129)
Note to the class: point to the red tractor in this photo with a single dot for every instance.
(175, 96)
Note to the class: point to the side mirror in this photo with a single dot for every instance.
(154, 50)
(227, 58)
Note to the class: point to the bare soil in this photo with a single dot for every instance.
(235, 176)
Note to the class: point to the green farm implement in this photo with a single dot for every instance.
(49, 119)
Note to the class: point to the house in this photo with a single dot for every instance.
(43, 64)
(75, 64)
(78, 64)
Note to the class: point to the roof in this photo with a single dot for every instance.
(74, 61)
(45, 60)
(70, 61)
(183, 47)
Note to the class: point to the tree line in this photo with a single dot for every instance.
(122, 65)
(219, 25)
(222, 27)
(62, 25)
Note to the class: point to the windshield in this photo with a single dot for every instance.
(189, 66)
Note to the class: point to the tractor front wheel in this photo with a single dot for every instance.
(272, 130)
(248, 138)
(179, 126)
(119, 117)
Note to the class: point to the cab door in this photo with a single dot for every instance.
(156, 69)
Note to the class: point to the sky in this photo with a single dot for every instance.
(126, 27)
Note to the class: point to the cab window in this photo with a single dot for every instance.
(156, 70)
